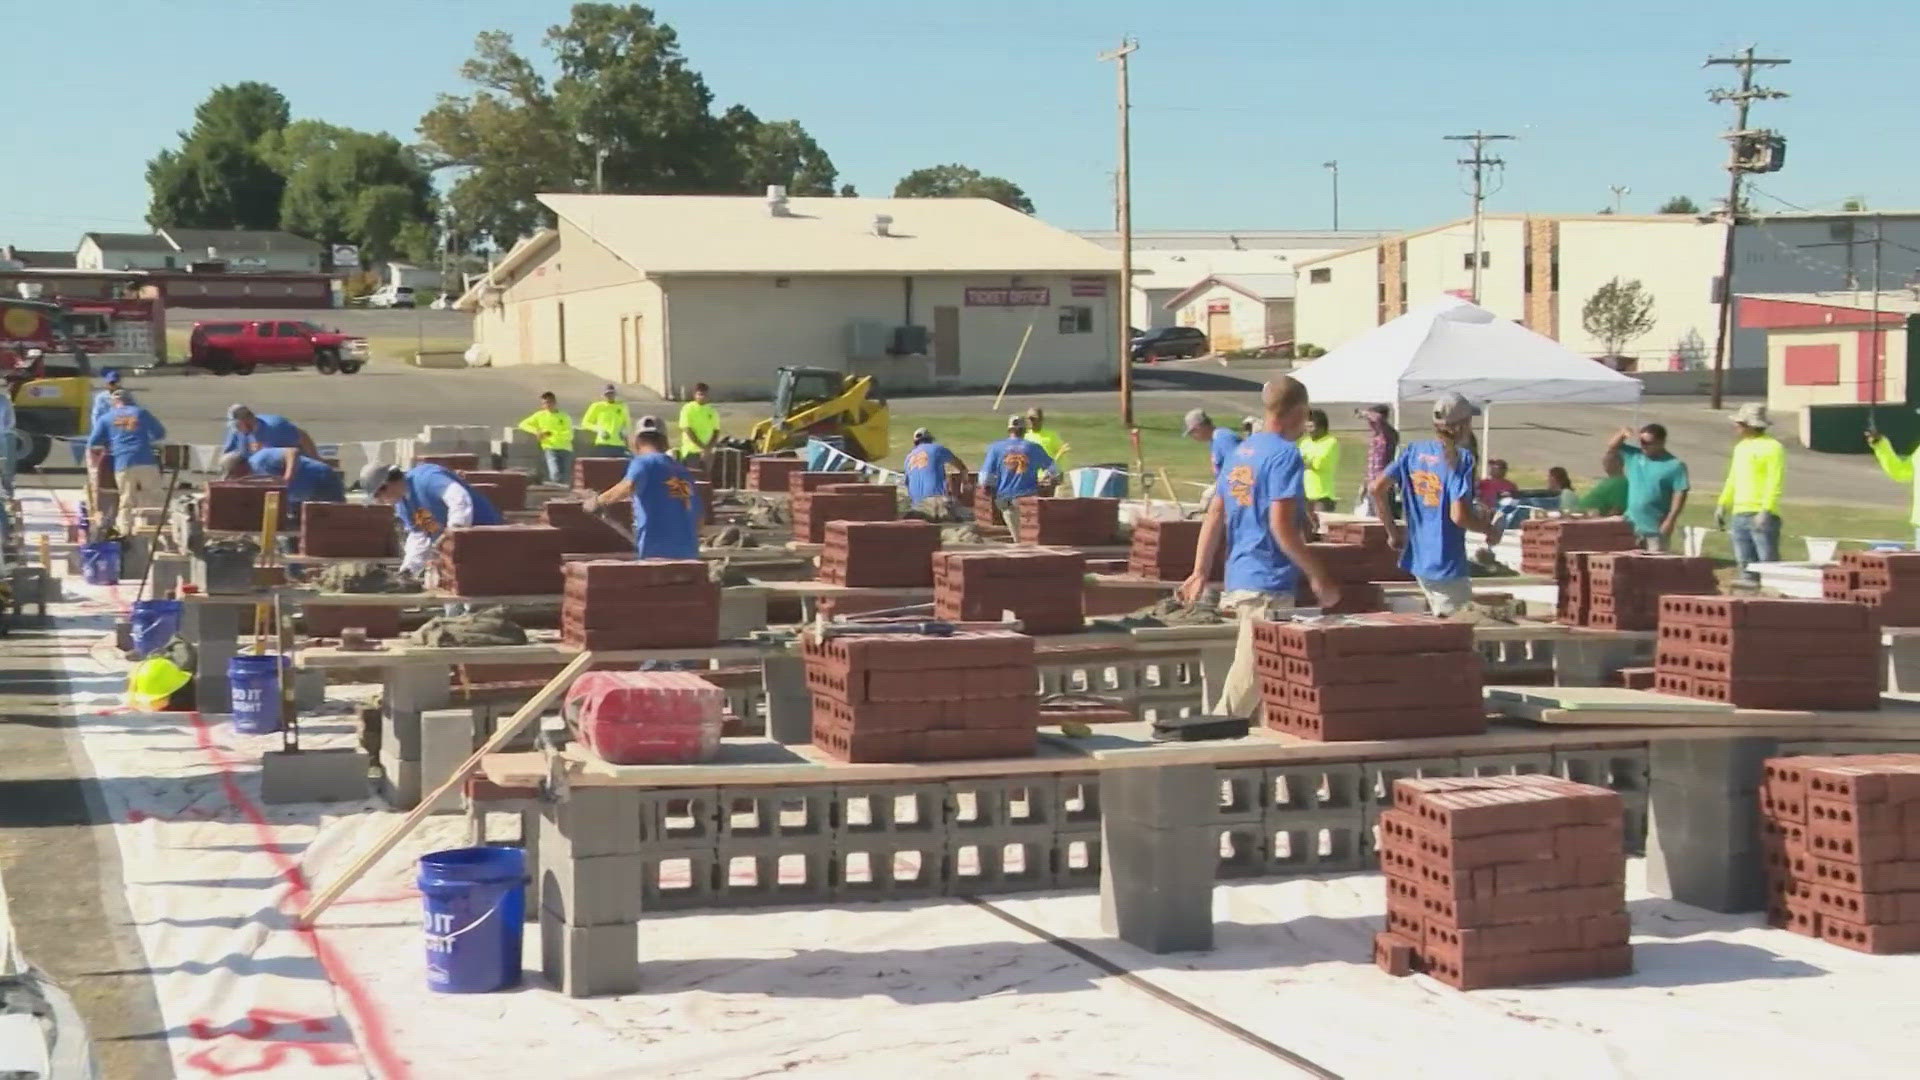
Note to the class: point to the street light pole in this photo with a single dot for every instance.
(1334, 168)
(1123, 192)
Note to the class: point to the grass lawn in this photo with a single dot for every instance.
(1097, 438)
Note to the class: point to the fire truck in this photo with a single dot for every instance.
(46, 377)
(116, 333)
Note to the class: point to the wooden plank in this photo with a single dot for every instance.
(762, 761)
(1594, 698)
(399, 654)
(824, 590)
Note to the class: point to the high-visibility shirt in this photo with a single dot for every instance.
(1052, 443)
(552, 426)
(1755, 476)
(699, 422)
(1322, 458)
(608, 421)
(1900, 469)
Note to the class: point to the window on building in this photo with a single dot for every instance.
(1319, 275)
(1076, 320)
(1486, 260)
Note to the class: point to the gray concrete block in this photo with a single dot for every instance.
(1702, 875)
(1314, 788)
(1000, 861)
(863, 810)
(1725, 765)
(170, 571)
(309, 689)
(1172, 796)
(1243, 793)
(302, 776)
(591, 961)
(398, 784)
(595, 821)
(223, 572)
(1242, 848)
(1077, 801)
(890, 866)
(789, 704)
(757, 872)
(999, 803)
(742, 611)
(1319, 850)
(1377, 777)
(416, 688)
(446, 740)
(1619, 768)
(679, 816)
(599, 890)
(678, 878)
(1522, 764)
(530, 843)
(1156, 886)
(1076, 859)
(776, 812)
(1729, 820)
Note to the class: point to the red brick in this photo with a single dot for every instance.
(1757, 613)
(1886, 939)
(585, 533)
(1462, 691)
(1839, 843)
(1393, 954)
(1500, 910)
(1890, 876)
(510, 486)
(597, 473)
(1377, 724)
(1859, 780)
(771, 473)
(1365, 635)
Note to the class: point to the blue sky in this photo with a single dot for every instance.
(1237, 103)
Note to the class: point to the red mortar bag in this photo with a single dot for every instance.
(646, 717)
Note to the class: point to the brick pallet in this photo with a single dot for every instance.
(348, 530)
(812, 510)
(509, 486)
(598, 473)
(1755, 653)
(639, 604)
(1622, 590)
(907, 698)
(583, 533)
(1841, 839)
(1377, 676)
(771, 473)
(455, 462)
(1044, 588)
(501, 560)
(1068, 521)
(1888, 582)
(1543, 541)
(879, 553)
(1504, 881)
(238, 505)
(1165, 550)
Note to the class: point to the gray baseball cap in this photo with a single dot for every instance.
(1451, 408)
(647, 423)
(1016, 422)
(236, 410)
(1195, 418)
(922, 435)
(375, 476)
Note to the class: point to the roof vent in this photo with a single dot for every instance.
(882, 224)
(777, 200)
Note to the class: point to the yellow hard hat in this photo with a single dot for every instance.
(153, 681)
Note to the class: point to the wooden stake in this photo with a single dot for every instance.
(501, 737)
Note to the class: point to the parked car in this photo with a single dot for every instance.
(391, 296)
(237, 348)
(1170, 343)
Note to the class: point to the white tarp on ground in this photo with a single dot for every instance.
(1453, 345)
(934, 990)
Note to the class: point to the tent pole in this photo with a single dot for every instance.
(1486, 437)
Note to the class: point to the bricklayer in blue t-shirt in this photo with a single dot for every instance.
(1263, 468)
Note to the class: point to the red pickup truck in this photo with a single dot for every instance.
(236, 348)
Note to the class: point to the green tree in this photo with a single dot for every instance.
(1854, 204)
(350, 185)
(1679, 204)
(959, 181)
(780, 152)
(1617, 313)
(217, 178)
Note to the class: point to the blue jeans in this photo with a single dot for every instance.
(1752, 545)
(559, 467)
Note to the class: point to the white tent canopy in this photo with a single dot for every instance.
(1454, 345)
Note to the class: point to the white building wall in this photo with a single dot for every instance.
(1342, 307)
(1437, 265)
(1676, 261)
(1246, 320)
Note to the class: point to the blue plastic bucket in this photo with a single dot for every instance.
(155, 622)
(475, 912)
(255, 681)
(100, 562)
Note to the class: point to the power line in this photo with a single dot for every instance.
(1740, 162)
(1481, 165)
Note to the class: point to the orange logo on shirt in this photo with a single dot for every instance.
(1240, 485)
(1426, 486)
(1016, 462)
(129, 422)
(423, 521)
(917, 459)
(679, 490)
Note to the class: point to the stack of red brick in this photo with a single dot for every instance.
(898, 697)
(1504, 881)
(963, 488)
(1755, 653)
(1842, 844)
(1888, 582)
(501, 560)
(456, 462)
(1353, 567)
(598, 473)
(238, 505)
(1370, 677)
(771, 473)
(879, 553)
(1070, 521)
(348, 530)
(1622, 590)
(1165, 550)
(508, 487)
(1384, 563)
(1044, 588)
(1543, 541)
(983, 509)
(812, 510)
(584, 533)
(639, 604)
(801, 481)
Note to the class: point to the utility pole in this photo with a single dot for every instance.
(599, 170)
(1481, 164)
(1123, 193)
(1738, 165)
(1334, 168)
(1618, 191)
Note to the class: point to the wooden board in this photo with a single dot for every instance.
(406, 654)
(1615, 707)
(1528, 701)
(823, 590)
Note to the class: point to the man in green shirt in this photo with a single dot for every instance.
(1755, 478)
(1900, 470)
(608, 420)
(1046, 438)
(699, 425)
(1656, 483)
(1320, 453)
(554, 429)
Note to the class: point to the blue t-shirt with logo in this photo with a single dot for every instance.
(310, 477)
(1436, 547)
(1224, 442)
(129, 432)
(1263, 468)
(1013, 466)
(927, 470)
(269, 429)
(423, 507)
(665, 508)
